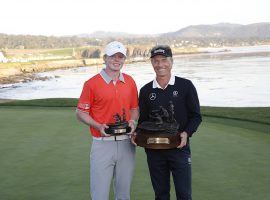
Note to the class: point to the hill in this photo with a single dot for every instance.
(223, 30)
(199, 35)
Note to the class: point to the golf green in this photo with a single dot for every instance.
(45, 155)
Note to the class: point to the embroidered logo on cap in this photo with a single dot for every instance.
(159, 51)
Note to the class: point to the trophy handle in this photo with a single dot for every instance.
(107, 131)
(128, 129)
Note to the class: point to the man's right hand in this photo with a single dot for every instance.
(133, 137)
(183, 137)
(101, 129)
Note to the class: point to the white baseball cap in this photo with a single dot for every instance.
(115, 47)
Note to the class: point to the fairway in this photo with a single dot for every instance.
(45, 156)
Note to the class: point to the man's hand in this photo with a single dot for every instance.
(101, 129)
(132, 125)
(183, 137)
(133, 137)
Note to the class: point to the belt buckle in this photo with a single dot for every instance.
(115, 138)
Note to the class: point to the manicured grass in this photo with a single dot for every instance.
(231, 161)
(67, 51)
(45, 155)
(60, 52)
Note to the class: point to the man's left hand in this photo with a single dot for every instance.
(133, 138)
(183, 137)
(131, 124)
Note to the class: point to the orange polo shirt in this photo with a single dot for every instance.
(102, 99)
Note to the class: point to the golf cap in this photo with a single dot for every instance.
(163, 50)
(115, 47)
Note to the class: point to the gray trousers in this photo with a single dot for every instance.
(111, 160)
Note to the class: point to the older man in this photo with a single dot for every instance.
(103, 96)
(181, 92)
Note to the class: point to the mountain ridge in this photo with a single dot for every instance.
(225, 30)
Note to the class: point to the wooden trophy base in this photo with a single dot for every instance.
(157, 140)
(118, 129)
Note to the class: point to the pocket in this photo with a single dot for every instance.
(94, 148)
(185, 154)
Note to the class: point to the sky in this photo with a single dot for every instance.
(71, 17)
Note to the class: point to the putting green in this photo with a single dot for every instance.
(45, 155)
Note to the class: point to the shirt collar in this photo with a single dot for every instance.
(108, 79)
(171, 82)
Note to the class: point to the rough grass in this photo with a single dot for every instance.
(53, 102)
(252, 114)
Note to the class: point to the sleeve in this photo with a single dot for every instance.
(193, 109)
(144, 109)
(85, 99)
(134, 95)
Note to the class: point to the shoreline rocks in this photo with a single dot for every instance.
(24, 72)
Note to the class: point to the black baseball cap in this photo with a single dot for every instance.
(163, 50)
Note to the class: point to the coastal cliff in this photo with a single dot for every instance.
(20, 72)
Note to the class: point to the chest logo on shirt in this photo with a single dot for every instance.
(152, 96)
(175, 93)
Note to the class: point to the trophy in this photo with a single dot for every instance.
(161, 131)
(120, 125)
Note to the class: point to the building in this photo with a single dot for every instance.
(3, 59)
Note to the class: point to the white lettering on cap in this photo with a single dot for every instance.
(159, 51)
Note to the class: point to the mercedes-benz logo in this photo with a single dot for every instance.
(152, 96)
(175, 93)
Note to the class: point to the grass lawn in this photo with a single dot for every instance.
(45, 155)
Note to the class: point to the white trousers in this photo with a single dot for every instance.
(111, 160)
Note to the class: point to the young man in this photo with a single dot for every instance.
(103, 96)
(181, 92)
